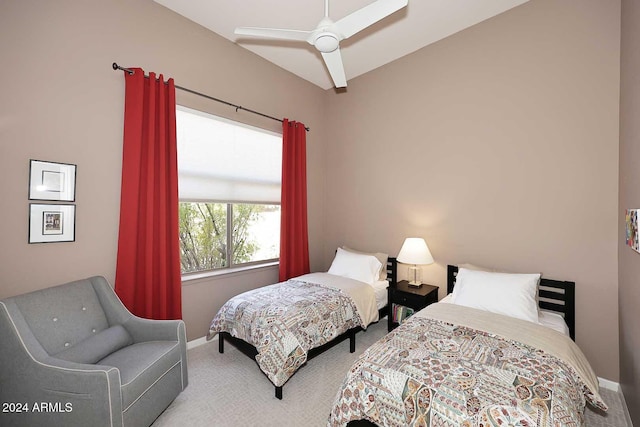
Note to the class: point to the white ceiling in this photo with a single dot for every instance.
(421, 23)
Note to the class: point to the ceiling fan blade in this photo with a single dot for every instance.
(274, 33)
(368, 15)
(335, 67)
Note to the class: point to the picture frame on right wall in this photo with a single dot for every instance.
(631, 221)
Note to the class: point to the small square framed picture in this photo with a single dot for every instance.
(52, 223)
(52, 181)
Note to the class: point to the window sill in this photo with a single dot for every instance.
(188, 279)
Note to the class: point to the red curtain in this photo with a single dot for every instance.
(294, 240)
(148, 279)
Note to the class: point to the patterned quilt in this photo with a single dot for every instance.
(284, 321)
(429, 372)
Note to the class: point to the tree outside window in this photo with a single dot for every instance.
(205, 232)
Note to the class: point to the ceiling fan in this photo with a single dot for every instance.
(327, 35)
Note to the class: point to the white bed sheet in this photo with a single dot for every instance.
(380, 289)
(554, 321)
(549, 319)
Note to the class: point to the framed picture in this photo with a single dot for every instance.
(52, 223)
(52, 181)
(631, 220)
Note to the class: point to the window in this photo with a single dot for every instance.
(229, 178)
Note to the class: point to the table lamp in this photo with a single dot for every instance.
(415, 251)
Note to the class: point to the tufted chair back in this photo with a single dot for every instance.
(63, 316)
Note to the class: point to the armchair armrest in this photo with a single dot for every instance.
(58, 377)
(155, 330)
(71, 393)
(140, 329)
(161, 330)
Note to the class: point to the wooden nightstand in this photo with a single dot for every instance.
(414, 298)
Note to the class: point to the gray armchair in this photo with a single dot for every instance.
(73, 355)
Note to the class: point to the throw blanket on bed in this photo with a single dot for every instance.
(284, 321)
(432, 371)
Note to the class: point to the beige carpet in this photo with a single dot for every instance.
(230, 390)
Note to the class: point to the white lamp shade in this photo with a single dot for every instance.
(415, 251)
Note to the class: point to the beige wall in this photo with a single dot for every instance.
(499, 145)
(61, 101)
(628, 260)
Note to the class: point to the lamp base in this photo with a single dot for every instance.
(415, 279)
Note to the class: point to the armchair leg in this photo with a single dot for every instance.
(221, 342)
(352, 341)
(279, 392)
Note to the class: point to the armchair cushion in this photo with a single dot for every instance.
(141, 365)
(97, 346)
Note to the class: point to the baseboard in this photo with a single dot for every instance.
(199, 341)
(609, 385)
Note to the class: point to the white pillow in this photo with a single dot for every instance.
(502, 293)
(382, 257)
(365, 268)
(493, 270)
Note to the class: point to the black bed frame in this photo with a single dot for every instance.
(554, 295)
(251, 351)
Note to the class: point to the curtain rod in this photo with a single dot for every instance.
(237, 107)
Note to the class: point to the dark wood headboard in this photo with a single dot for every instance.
(554, 295)
(392, 271)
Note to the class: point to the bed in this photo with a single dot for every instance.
(459, 364)
(284, 325)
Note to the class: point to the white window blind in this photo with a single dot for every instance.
(225, 161)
